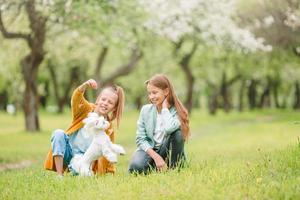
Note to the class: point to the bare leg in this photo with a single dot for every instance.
(58, 161)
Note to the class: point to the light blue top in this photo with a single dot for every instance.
(80, 141)
(147, 122)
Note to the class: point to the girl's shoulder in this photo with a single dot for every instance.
(147, 108)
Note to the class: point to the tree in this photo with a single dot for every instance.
(110, 26)
(35, 39)
(278, 22)
(198, 22)
(65, 79)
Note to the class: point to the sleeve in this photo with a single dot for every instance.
(79, 104)
(170, 121)
(141, 135)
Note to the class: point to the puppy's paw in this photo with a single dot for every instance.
(118, 149)
(111, 157)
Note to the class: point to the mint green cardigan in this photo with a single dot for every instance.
(147, 122)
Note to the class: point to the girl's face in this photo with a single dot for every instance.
(106, 102)
(156, 95)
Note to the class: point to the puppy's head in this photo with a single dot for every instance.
(95, 121)
(101, 123)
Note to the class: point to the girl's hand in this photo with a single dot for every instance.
(165, 103)
(92, 84)
(160, 163)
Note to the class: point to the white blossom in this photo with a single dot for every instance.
(47, 2)
(292, 18)
(268, 21)
(3, 6)
(212, 21)
(68, 5)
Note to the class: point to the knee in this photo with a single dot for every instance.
(137, 167)
(177, 137)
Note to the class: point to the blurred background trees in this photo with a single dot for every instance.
(220, 54)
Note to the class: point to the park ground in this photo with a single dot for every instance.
(249, 155)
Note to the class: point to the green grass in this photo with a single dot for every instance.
(253, 155)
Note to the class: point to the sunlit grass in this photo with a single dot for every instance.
(253, 155)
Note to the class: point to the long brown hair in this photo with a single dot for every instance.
(161, 81)
(119, 107)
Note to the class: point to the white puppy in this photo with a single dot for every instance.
(100, 146)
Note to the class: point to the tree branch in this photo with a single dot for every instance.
(125, 69)
(177, 45)
(37, 23)
(234, 79)
(53, 76)
(11, 35)
(100, 60)
(186, 58)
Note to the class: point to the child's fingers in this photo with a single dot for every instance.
(92, 83)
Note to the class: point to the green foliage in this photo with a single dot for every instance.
(78, 30)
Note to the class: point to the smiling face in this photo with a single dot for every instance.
(106, 102)
(156, 95)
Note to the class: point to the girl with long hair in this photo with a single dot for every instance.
(162, 128)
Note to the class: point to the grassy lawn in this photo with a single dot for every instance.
(253, 155)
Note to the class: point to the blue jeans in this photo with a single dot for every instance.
(171, 150)
(61, 146)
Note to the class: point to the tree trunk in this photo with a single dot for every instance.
(184, 64)
(61, 100)
(213, 102)
(30, 63)
(190, 87)
(61, 104)
(224, 93)
(99, 65)
(30, 103)
(241, 96)
(196, 100)
(213, 95)
(3, 100)
(297, 96)
(138, 102)
(275, 86)
(43, 99)
(252, 94)
(265, 100)
(98, 69)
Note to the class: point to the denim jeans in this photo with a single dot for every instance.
(61, 146)
(171, 150)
